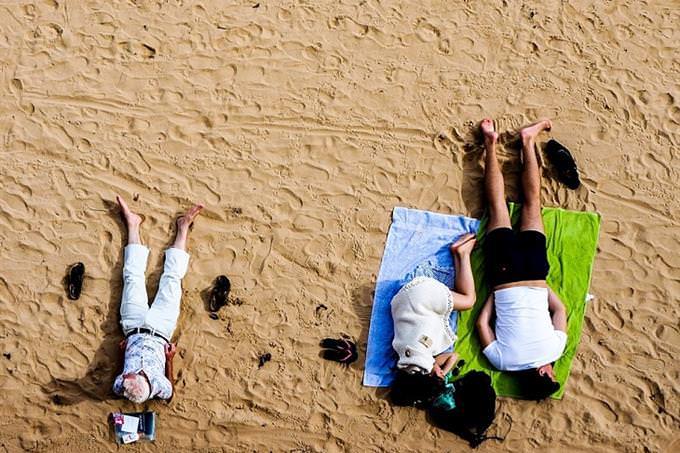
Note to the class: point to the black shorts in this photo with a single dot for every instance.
(514, 257)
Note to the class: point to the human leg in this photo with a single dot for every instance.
(165, 309)
(134, 302)
(464, 294)
(493, 180)
(499, 243)
(132, 221)
(531, 178)
(183, 225)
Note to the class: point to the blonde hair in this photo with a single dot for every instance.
(136, 388)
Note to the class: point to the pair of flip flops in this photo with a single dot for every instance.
(219, 295)
(340, 350)
(560, 157)
(74, 281)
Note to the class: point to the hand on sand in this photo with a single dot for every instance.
(170, 350)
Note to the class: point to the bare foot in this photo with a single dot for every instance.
(530, 132)
(489, 131)
(464, 244)
(132, 220)
(185, 221)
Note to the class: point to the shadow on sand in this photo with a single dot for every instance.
(362, 304)
(96, 384)
(508, 151)
(98, 379)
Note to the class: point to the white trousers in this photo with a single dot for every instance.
(134, 308)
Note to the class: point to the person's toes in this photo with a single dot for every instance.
(122, 204)
(487, 126)
(463, 240)
(194, 211)
(469, 245)
(543, 125)
(130, 217)
(488, 130)
(188, 218)
(534, 129)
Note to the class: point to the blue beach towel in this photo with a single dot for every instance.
(417, 244)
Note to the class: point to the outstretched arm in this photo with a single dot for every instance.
(557, 311)
(484, 327)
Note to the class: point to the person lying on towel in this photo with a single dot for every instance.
(147, 369)
(529, 331)
(422, 334)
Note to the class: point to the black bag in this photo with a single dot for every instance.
(475, 408)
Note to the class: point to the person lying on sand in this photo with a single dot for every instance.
(529, 332)
(421, 311)
(147, 369)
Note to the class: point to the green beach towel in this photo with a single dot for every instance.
(571, 243)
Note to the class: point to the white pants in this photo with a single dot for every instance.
(134, 308)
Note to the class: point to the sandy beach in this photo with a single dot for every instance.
(301, 125)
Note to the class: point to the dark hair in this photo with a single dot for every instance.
(414, 389)
(534, 386)
(475, 408)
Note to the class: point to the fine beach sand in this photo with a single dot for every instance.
(301, 125)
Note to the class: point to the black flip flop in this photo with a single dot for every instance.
(340, 355)
(564, 163)
(219, 296)
(74, 280)
(332, 343)
(342, 350)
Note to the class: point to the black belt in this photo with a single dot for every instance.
(137, 330)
